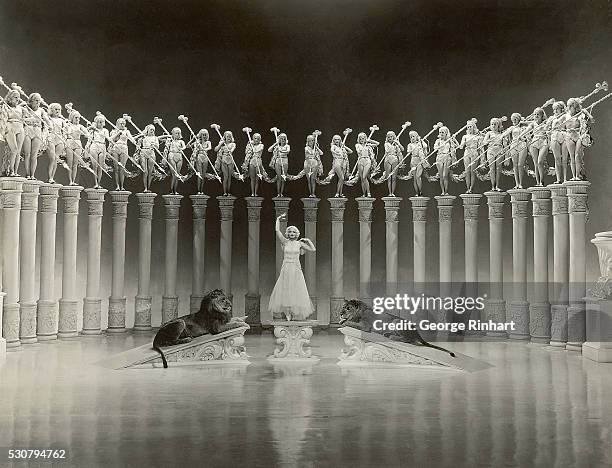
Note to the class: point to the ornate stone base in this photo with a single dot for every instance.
(226, 348)
(558, 325)
(576, 327)
(372, 349)
(597, 351)
(335, 306)
(27, 322)
(67, 327)
(293, 341)
(46, 321)
(142, 313)
(194, 303)
(495, 310)
(252, 309)
(539, 322)
(116, 315)
(169, 308)
(10, 325)
(519, 314)
(92, 313)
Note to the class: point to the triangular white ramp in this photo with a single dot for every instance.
(373, 349)
(226, 348)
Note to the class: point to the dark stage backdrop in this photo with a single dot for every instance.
(301, 65)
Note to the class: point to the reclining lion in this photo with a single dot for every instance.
(213, 318)
(357, 314)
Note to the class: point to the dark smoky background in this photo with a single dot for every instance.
(302, 66)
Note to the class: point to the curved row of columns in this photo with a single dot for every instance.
(557, 318)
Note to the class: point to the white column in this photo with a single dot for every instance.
(560, 289)
(365, 248)
(252, 299)
(2, 294)
(310, 260)
(281, 206)
(142, 301)
(445, 214)
(392, 205)
(471, 205)
(68, 304)
(495, 309)
(337, 260)
(117, 300)
(199, 203)
(226, 209)
(419, 221)
(170, 299)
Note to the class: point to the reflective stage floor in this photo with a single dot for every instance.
(536, 407)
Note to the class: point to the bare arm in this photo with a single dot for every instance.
(307, 244)
(279, 234)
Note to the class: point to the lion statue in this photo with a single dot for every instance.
(214, 317)
(357, 314)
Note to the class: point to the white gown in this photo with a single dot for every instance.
(290, 295)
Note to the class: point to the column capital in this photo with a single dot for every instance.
(119, 199)
(471, 205)
(337, 205)
(520, 202)
(254, 205)
(29, 195)
(199, 203)
(226, 207)
(281, 205)
(540, 197)
(311, 205)
(365, 205)
(95, 201)
(559, 199)
(49, 193)
(392, 205)
(445, 207)
(419, 208)
(172, 204)
(11, 191)
(146, 201)
(495, 200)
(577, 195)
(71, 194)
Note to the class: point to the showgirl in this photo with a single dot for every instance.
(13, 131)
(199, 156)
(556, 129)
(96, 147)
(252, 165)
(225, 160)
(446, 148)
(148, 144)
(538, 147)
(365, 160)
(119, 151)
(340, 163)
(495, 140)
(35, 118)
(173, 152)
(393, 153)
(417, 150)
(313, 167)
(280, 163)
(577, 119)
(74, 146)
(518, 148)
(471, 143)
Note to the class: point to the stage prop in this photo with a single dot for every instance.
(365, 248)
(336, 300)
(117, 300)
(310, 261)
(495, 306)
(226, 208)
(578, 211)
(11, 194)
(560, 292)
(539, 309)
(142, 301)
(445, 213)
(172, 204)
(281, 206)
(198, 203)
(293, 341)
(519, 307)
(252, 299)
(392, 205)
(27, 268)
(419, 220)
(471, 205)
(226, 348)
(68, 304)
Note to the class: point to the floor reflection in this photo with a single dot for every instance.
(537, 406)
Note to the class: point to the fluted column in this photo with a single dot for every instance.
(27, 268)
(172, 204)
(92, 303)
(68, 304)
(143, 299)
(419, 221)
(519, 307)
(117, 300)
(495, 308)
(471, 205)
(226, 208)
(281, 206)
(198, 203)
(365, 248)
(337, 263)
(47, 313)
(578, 212)
(11, 193)
(310, 261)
(252, 299)
(560, 291)
(392, 205)
(539, 309)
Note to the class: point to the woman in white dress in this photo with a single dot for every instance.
(290, 295)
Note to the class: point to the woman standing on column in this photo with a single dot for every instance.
(74, 147)
(556, 126)
(280, 163)
(393, 154)
(313, 167)
(495, 141)
(340, 163)
(174, 155)
(584, 141)
(446, 148)
(471, 141)
(225, 160)
(252, 162)
(576, 117)
(13, 131)
(119, 151)
(365, 161)
(96, 147)
(538, 146)
(34, 119)
(149, 144)
(290, 295)
(518, 148)
(199, 155)
(55, 141)
(417, 150)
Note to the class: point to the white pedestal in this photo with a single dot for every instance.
(293, 341)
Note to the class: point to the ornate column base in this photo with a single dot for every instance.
(92, 316)
(142, 314)
(46, 321)
(10, 325)
(519, 314)
(558, 325)
(67, 327)
(252, 309)
(576, 323)
(293, 341)
(27, 322)
(116, 315)
(495, 311)
(169, 308)
(539, 322)
(195, 300)
(335, 306)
